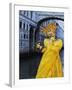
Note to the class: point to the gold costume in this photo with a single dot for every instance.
(50, 65)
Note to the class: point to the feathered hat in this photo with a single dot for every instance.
(50, 27)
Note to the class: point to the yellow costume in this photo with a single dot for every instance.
(50, 65)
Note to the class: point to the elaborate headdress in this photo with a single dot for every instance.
(50, 27)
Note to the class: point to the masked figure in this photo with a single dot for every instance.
(50, 64)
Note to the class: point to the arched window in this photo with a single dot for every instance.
(42, 23)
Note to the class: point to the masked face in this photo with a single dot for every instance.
(50, 34)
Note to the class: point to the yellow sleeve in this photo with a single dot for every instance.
(46, 42)
(58, 44)
(43, 50)
(45, 45)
